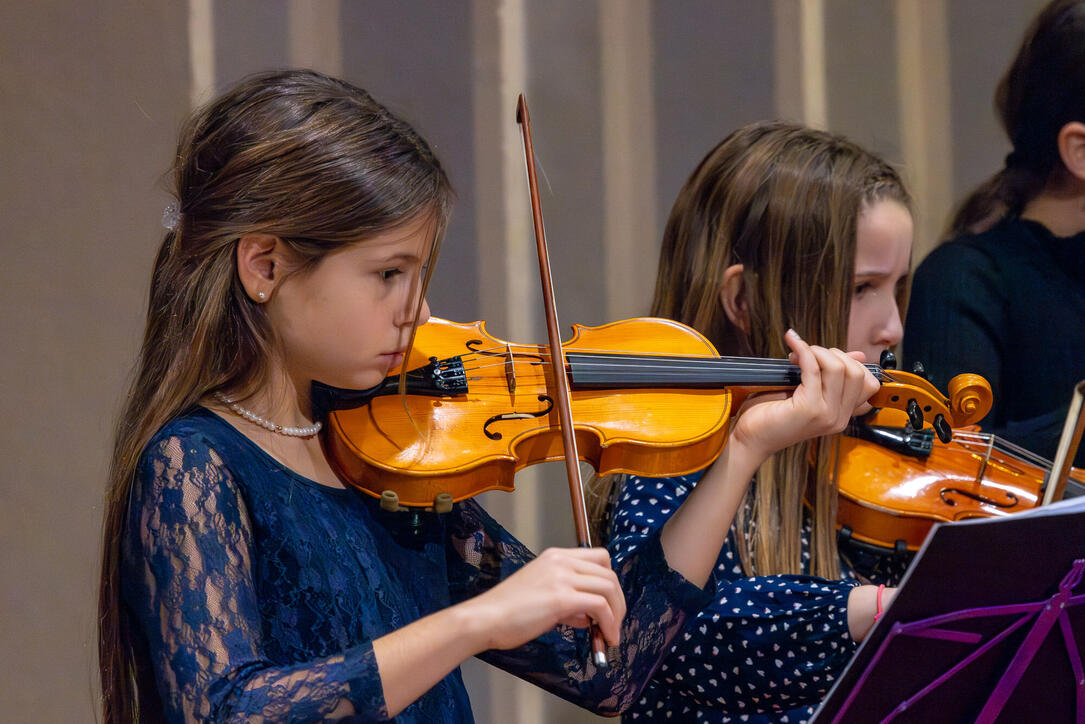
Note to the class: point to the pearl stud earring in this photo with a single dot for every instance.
(261, 296)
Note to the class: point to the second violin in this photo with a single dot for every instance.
(896, 482)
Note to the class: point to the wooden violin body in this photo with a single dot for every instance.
(503, 419)
(649, 396)
(890, 496)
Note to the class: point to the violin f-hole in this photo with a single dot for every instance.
(1013, 499)
(517, 416)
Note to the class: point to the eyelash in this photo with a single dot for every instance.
(860, 288)
(387, 274)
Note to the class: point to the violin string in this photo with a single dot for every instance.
(717, 363)
(589, 358)
(670, 365)
(641, 361)
(720, 363)
(610, 354)
(668, 371)
(978, 442)
(639, 356)
(607, 357)
(1002, 445)
(662, 366)
(755, 371)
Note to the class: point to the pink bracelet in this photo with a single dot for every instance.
(879, 613)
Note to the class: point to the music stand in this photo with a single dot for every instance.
(989, 625)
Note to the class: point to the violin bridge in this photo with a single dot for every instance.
(985, 460)
(510, 369)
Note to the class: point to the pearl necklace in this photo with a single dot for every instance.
(267, 424)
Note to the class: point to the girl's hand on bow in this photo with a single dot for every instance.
(835, 386)
(571, 586)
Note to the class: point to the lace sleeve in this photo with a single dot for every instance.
(188, 576)
(659, 602)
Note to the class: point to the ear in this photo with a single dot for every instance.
(261, 264)
(1072, 148)
(733, 297)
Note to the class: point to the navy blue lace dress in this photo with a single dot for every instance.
(766, 649)
(258, 592)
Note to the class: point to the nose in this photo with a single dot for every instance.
(423, 312)
(892, 328)
(406, 315)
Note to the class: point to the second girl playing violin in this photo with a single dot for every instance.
(240, 580)
(779, 227)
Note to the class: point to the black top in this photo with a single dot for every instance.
(1008, 304)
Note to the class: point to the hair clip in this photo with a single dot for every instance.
(171, 216)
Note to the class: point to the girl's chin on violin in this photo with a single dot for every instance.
(373, 372)
(356, 374)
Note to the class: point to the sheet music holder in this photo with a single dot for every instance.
(988, 626)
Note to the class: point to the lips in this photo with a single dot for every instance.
(394, 359)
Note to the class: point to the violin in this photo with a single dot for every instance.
(895, 482)
(649, 397)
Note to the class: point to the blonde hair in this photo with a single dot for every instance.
(784, 201)
(309, 159)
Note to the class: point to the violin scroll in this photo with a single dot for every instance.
(923, 403)
(970, 398)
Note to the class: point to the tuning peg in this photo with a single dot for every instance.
(888, 360)
(915, 414)
(919, 370)
(942, 429)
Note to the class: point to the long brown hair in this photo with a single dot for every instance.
(1042, 91)
(310, 159)
(784, 201)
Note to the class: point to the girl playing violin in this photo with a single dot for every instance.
(241, 581)
(779, 227)
(1005, 297)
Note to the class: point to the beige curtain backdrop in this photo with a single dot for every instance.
(625, 95)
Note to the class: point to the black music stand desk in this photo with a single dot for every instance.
(988, 626)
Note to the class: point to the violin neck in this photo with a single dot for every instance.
(613, 370)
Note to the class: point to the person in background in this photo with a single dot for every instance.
(1005, 296)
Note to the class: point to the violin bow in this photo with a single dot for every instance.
(1068, 443)
(557, 357)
